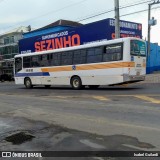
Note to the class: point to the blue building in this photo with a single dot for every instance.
(63, 34)
(153, 62)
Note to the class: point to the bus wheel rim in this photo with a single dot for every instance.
(75, 83)
(27, 83)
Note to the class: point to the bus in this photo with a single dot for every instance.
(112, 62)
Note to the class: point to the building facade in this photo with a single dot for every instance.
(9, 48)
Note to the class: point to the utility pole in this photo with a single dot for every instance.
(150, 23)
(149, 31)
(117, 24)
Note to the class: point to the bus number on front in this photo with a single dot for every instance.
(29, 70)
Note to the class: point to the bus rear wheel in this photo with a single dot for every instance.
(76, 83)
(28, 83)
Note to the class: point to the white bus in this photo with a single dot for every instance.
(110, 62)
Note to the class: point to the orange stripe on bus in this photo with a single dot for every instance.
(90, 67)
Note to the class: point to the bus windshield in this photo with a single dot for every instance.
(138, 48)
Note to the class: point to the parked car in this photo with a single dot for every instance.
(6, 77)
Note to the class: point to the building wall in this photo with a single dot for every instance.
(8, 49)
(153, 62)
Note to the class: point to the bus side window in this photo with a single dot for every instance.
(49, 57)
(66, 58)
(106, 54)
(118, 52)
(113, 53)
(18, 64)
(55, 59)
(44, 60)
(79, 57)
(26, 62)
(76, 57)
(35, 61)
(98, 54)
(94, 55)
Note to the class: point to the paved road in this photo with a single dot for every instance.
(110, 118)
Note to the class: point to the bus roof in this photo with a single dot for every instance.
(88, 45)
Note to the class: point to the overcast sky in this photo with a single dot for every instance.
(38, 13)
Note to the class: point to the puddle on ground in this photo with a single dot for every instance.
(19, 137)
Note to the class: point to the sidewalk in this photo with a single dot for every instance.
(152, 78)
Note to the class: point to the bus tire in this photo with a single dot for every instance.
(28, 83)
(76, 82)
(93, 86)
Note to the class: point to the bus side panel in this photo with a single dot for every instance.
(36, 80)
(19, 80)
(102, 80)
(102, 77)
(56, 79)
(88, 77)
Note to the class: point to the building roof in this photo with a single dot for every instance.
(61, 22)
(21, 29)
(53, 27)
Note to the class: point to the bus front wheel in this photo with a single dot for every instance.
(28, 83)
(76, 83)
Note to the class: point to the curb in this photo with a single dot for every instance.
(152, 78)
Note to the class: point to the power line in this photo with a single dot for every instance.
(96, 15)
(138, 12)
(134, 4)
(138, 2)
(122, 7)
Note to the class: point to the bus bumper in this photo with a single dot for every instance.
(133, 78)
